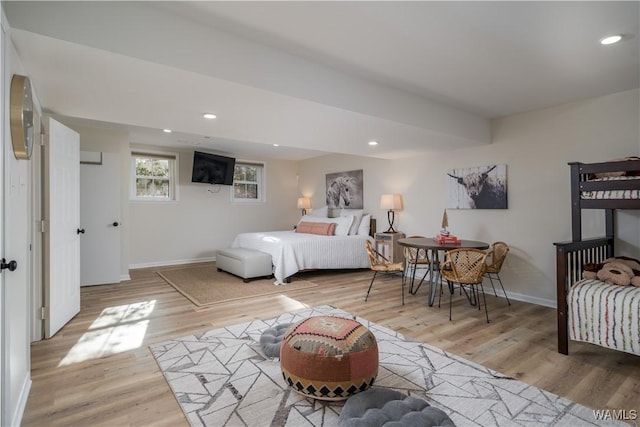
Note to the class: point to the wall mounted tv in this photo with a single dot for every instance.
(212, 168)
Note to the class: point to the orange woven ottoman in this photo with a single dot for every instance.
(329, 358)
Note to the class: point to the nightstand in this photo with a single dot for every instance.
(387, 245)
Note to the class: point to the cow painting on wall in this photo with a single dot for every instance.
(481, 187)
(344, 190)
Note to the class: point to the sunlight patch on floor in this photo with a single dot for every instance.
(290, 304)
(116, 330)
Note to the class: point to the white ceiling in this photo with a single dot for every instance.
(319, 77)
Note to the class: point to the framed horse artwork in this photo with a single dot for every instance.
(344, 190)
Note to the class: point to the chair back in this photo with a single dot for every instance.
(375, 257)
(496, 256)
(465, 266)
(416, 255)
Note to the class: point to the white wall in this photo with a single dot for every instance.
(536, 148)
(200, 222)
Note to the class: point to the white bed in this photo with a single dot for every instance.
(292, 252)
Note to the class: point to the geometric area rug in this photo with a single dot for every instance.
(221, 378)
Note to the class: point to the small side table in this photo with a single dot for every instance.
(387, 245)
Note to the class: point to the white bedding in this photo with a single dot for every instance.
(292, 252)
(607, 315)
(613, 194)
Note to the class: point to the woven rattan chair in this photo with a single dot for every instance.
(465, 267)
(415, 258)
(381, 264)
(495, 258)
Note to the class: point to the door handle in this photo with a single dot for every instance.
(11, 265)
(115, 224)
(80, 231)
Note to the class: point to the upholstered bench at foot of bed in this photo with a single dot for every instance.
(245, 263)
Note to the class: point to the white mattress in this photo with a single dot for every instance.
(292, 252)
(607, 315)
(613, 194)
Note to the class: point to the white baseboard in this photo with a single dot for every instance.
(171, 262)
(125, 277)
(22, 402)
(533, 300)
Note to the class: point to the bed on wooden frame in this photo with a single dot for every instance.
(588, 310)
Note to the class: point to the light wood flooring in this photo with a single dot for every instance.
(120, 386)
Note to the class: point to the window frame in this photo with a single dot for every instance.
(173, 175)
(261, 183)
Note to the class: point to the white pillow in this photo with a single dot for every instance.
(365, 225)
(343, 223)
(321, 212)
(357, 214)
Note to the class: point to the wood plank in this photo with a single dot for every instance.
(127, 388)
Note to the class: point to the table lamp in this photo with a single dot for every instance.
(391, 202)
(304, 203)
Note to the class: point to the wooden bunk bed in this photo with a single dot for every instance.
(592, 187)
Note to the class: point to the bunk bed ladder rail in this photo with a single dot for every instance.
(570, 259)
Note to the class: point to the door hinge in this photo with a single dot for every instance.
(44, 226)
(44, 313)
(42, 139)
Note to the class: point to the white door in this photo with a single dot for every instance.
(99, 218)
(15, 219)
(62, 216)
(17, 333)
(4, 144)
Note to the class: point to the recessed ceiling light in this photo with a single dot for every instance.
(373, 143)
(209, 116)
(611, 39)
(166, 130)
(276, 145)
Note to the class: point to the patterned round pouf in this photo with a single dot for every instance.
(329, 358)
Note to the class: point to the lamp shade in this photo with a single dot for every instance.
(304, 203)
(392, 202)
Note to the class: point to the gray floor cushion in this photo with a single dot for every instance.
(271, 339)
(390, 408)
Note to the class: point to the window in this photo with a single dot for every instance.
(154, 176)
(248, 182)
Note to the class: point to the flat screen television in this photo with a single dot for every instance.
(212, 168)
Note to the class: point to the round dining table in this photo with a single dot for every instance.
(433, 246)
